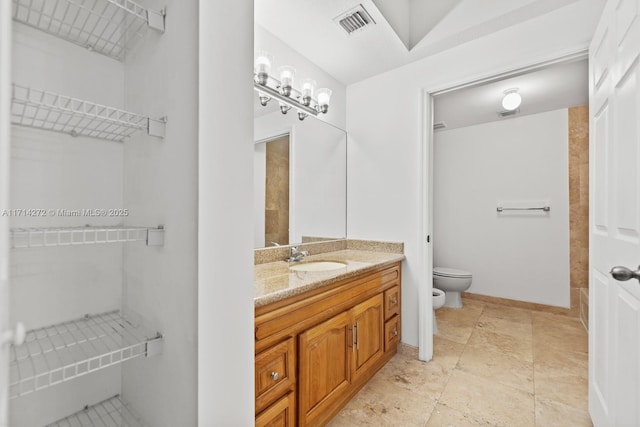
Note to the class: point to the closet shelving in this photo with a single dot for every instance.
(62, 352)
(48, 110)
(113, 412)
(69, 236)
(103, 26)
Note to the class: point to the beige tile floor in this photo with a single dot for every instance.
(493, 365)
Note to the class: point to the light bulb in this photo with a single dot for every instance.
(511, 100)
(308, 86)
(286, 73)
(324, 95)
(262, 66)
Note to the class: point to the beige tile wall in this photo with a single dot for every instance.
(579, 207)
(277, 192)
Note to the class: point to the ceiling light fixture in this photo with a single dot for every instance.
(511, 100)
(282, 90)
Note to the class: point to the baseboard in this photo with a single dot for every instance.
(574, 311)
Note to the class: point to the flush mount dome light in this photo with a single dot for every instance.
(511, 100)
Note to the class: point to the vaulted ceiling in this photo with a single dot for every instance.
(404, 30)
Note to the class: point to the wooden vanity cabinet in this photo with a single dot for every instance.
(339, 336)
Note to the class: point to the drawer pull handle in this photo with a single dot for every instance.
(394, 301)
(395, 332)
(275, 376)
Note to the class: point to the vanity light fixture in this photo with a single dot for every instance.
(268, 88)
(511, 100)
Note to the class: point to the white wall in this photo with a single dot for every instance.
(285, 55)
(160, 187)
(225, 212)
(522, 162)
(385, 117)
(318, 178)
(5, 156)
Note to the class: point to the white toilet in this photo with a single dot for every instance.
(453, 282)
(438, 302)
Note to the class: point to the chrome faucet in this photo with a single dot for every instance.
(296, 255)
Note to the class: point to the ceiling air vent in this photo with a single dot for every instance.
(439, 125)
(508, 113)
(354, 20)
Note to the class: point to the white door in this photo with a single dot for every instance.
(614, 305)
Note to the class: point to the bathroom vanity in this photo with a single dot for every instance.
(320, 335)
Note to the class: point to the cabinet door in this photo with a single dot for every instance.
(368, 330)
(280, 414)
(324, 370)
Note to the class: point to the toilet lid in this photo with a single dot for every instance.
(450, 272)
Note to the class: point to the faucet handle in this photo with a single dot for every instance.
(296, 251)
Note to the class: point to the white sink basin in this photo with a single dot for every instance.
(318, 266)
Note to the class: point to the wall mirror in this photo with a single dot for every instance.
(300, 179)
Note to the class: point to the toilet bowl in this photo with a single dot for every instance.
(453, 282)
(438, 302)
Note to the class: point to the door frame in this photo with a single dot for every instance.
(425, 327)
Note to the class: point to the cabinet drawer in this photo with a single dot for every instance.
(280, 414)
(391, 302)
(391, 333)
(275, 373)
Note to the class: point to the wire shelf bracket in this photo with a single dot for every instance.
(68, 350)
(71, 236)
(107, 27)
(59, 113)
(113, 412)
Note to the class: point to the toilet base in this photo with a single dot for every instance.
(453, 299)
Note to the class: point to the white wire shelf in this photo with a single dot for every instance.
(65, 351)
(103, 26)
(59, 113)
(113, 412)
(69, 236)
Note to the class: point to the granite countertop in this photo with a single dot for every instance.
(274, 281)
